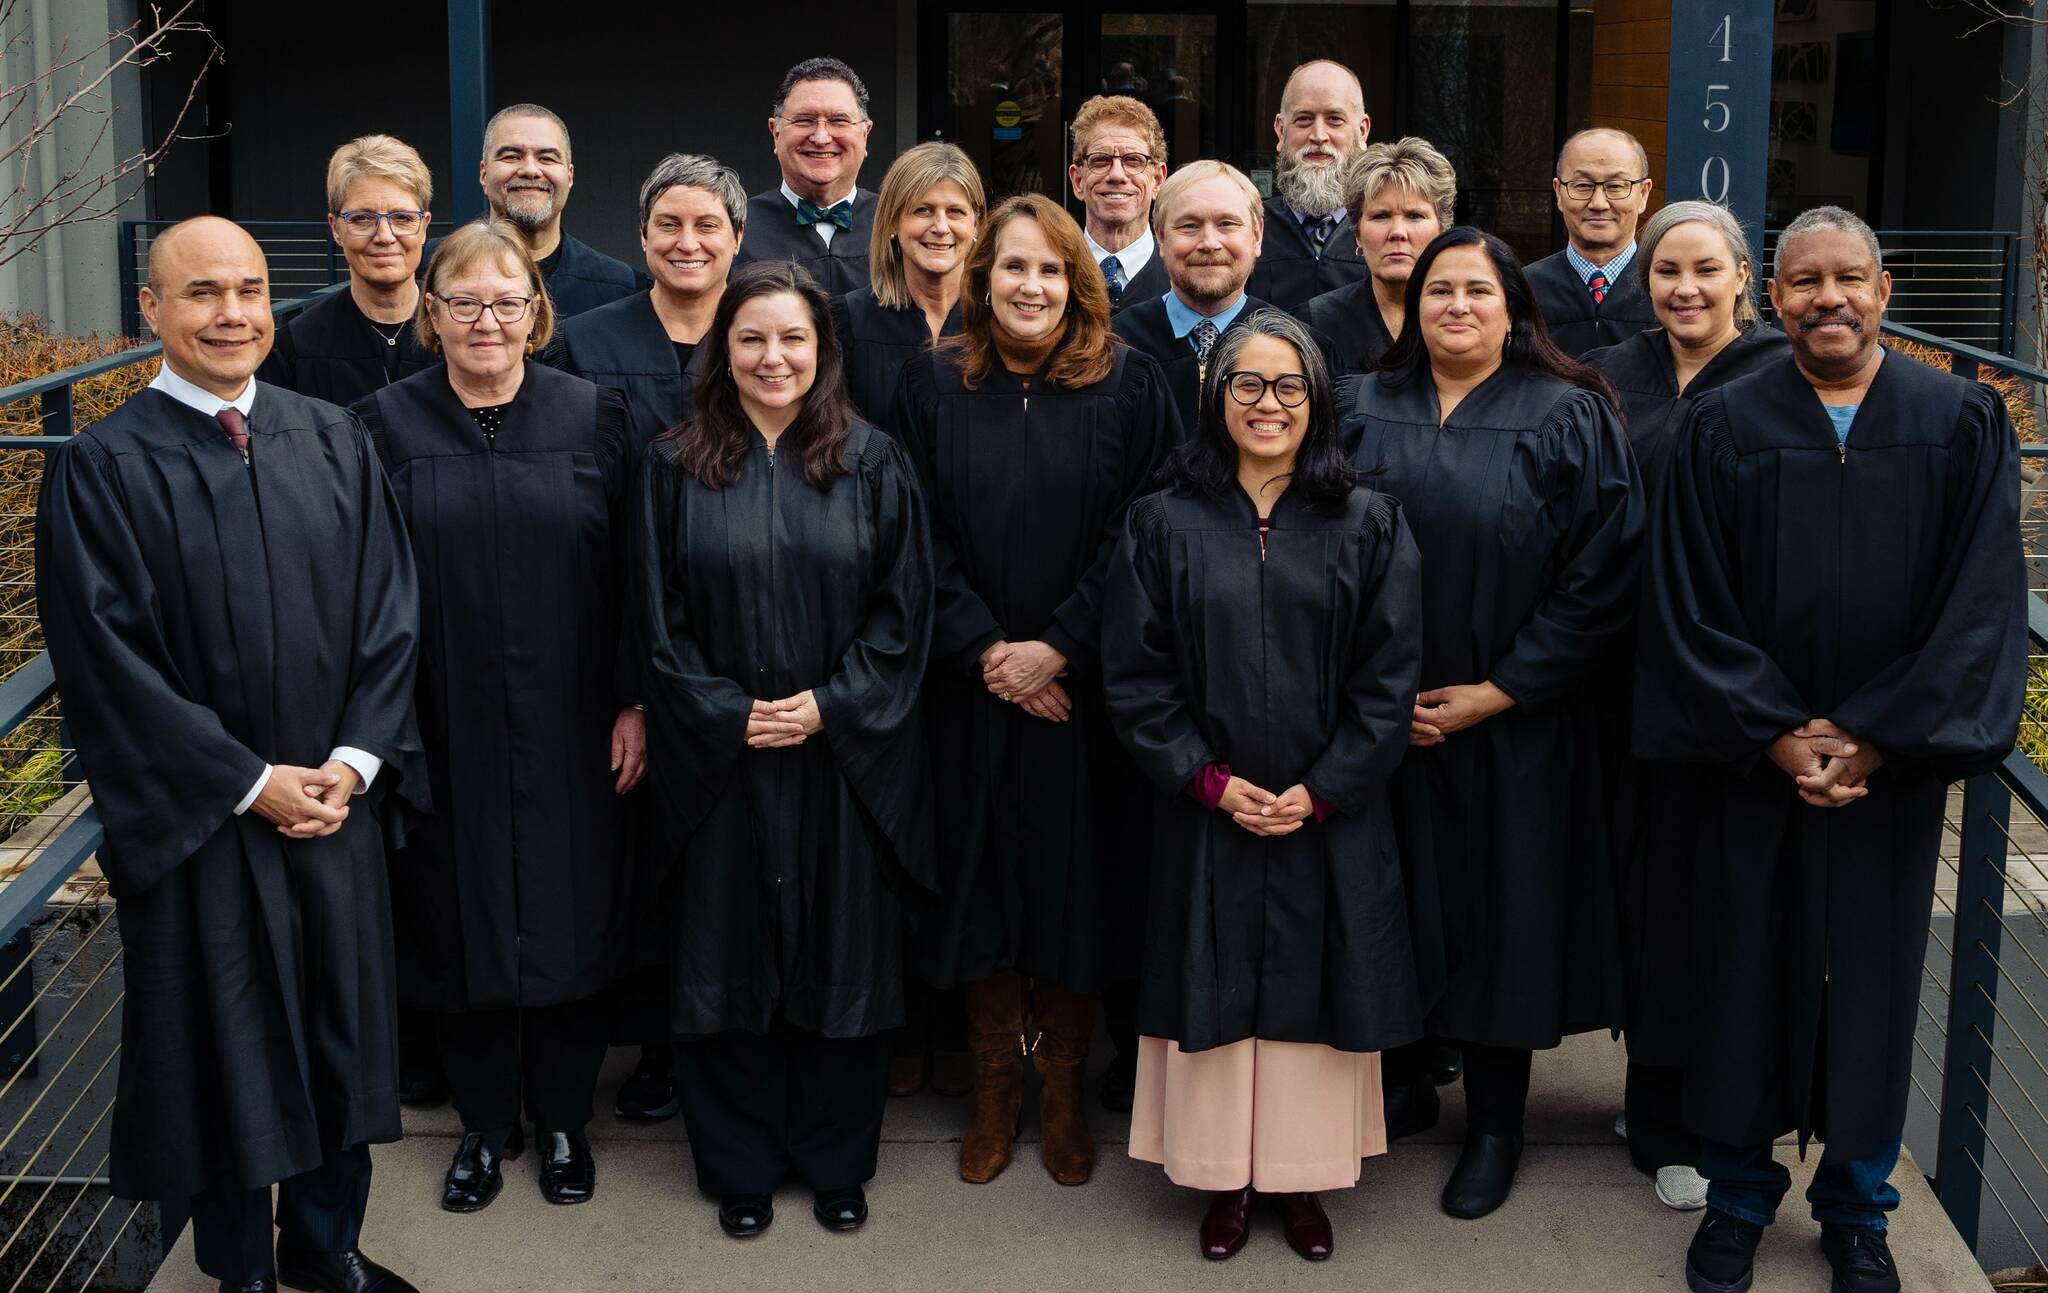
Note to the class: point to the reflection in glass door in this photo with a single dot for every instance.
(1003, 99)
(1168, 62)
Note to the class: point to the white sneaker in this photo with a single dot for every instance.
(1621, 1124)
(1681, 1189)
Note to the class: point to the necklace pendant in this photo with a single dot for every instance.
(391, 340)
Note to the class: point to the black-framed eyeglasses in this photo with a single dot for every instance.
(363, 224)
(1616, 190)
(1099, 162)
(467, 309)
(838, 125)
(1247, 387)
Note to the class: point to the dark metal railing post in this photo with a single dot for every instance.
(1973, 990)
(131, 312)
(56, 407)
(2009, 295)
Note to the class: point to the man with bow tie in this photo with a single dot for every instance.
(816, 216)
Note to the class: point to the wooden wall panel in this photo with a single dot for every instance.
(1632, 74)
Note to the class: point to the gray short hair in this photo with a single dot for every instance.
(1642, 154)
(526, 110)
(1716, 217)
(694, 171)
(1836, 218)
(821, 69)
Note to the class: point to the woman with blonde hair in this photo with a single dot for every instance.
(1399, 196)
(930, 206)
(1032, 431)
(379, 202)
(511, 900)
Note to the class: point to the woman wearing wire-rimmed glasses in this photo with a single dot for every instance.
(511, 900)
(361, 338)
(1261, 640)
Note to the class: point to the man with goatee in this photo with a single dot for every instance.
(526, 175)
(1310, 247)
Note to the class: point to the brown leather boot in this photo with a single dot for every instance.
(1065, 1021)
(995, 1034)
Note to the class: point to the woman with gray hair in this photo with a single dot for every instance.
(1695, 265)
(692, 214)
(1261, 646)
(1399, 196)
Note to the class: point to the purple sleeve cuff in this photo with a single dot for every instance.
(1207, 786)
(1322, 807)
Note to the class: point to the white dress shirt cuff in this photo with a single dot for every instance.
(366, 764)
(255, 792)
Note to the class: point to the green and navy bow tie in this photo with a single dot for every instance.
(809, 213)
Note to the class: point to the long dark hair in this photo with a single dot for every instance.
(1207, 463)
(712, 444)
(1528, 343)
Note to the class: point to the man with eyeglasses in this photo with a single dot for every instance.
(526, 175)
(817, 216)
(1119, 163)
(361, 338)
(1585, 292)
(1311, 247)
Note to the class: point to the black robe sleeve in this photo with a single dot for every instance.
(1949, 703)
(1705, 690)
(1594, 492)
(1377, 701)
(1146, 410)
(616, 458)
(962, 624)
(98, 610)
(1141, 672)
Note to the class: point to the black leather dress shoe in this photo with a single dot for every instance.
(745, 1215)
(265, 1285)
(1484, 1175)
(567, 1172)
(476, 1175)
(841, 1209)
(347, 1271)
(1412, 1108)
(1446, 1063)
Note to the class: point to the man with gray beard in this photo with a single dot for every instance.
(526, 175)
(1310, 247)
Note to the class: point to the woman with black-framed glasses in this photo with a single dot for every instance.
(1261, 636)
(511, 900)
(361, 338)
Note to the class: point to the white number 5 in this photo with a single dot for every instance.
(1716, 105)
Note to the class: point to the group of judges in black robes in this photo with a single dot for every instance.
(987, 642)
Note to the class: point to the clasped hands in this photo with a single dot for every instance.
(1264, 813)
(1027, 674)
(304, 803)
(1441, 711)
(1828, 765)
(779, 724)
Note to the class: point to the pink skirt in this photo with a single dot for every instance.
(1282, 1117)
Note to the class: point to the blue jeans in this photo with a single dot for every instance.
(1747, 1183)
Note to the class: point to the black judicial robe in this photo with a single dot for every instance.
(331, 351)
(1651, 889)
(1298, 667)
(1290, 272)
(579, 277)
(773, 234)
(1528, 512)
(783, 873)
(516, 891)
(1036, 823)
(1576, 324)
(1879, 584)
(258, 1035)
(624, 347)
(1350, 317)
(1148, 328)
(1148, 284)
(877, 343)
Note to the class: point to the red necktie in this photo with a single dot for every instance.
(231, 421)
(1598, 284)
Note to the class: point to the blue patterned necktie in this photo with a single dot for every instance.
(1113, 274)
(809, 213)
(1319, 229)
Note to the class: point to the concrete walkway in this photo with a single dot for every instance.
(1581, 1218)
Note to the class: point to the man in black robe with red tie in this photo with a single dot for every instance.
(228, 598)
(1833, 630)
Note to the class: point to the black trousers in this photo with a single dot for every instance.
(320, 1211)
(935, 1019)
(1655, 1102)
(1496, 1088)
(759, 1108)
(550, 1053)
(1120, 1018)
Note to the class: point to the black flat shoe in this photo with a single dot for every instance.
(649, 1095)
(264, 1285)
(745, 1215)
(1862, 1259)
(1412, 1108)
(477, 1173)
(1722, 1255)
(1120, 1084)
(841, 1209)
(347, 1271)
(1484, 1175)
(567, 1172)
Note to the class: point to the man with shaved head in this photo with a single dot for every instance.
(1585, 292)
(1310, 247)
(1834, 628)
(229, 603)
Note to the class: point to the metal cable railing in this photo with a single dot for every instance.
(1961, 284)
